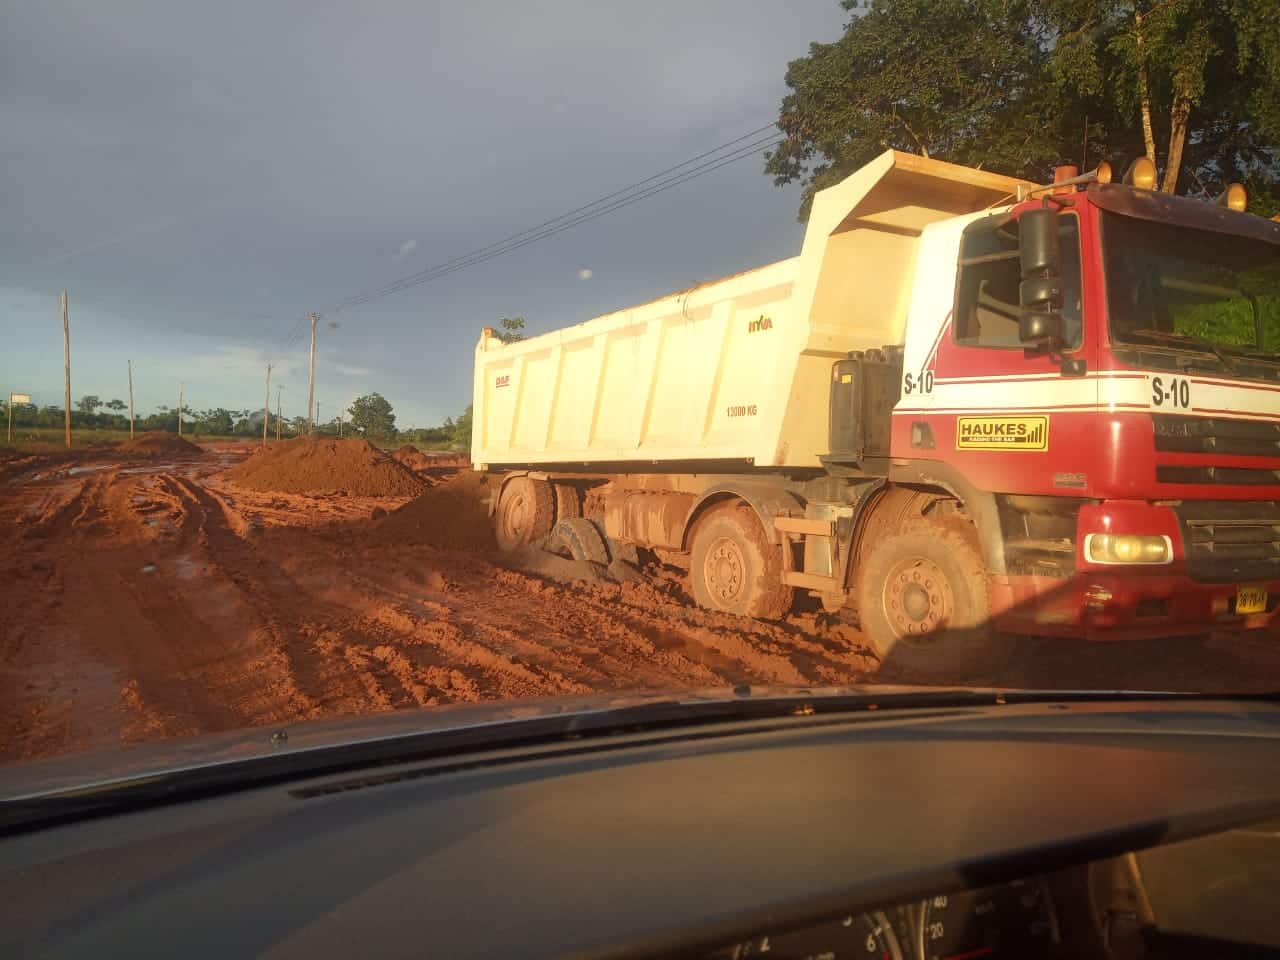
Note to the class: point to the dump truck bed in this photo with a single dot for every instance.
(735, 371)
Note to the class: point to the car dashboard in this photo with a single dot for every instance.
(1213, 897)
(1117, 830)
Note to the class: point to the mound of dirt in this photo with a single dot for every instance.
(353, 467)
(453, 514)
(157, 443)
(411, 458)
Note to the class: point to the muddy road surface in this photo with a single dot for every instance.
(150, 599)
(153, 597)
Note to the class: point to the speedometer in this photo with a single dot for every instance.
(1017, 920)
(867, 937)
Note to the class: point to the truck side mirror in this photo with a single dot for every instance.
(1043, 330)
(1040, 293)
(1038, 244)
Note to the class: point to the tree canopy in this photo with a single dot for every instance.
(1016, 86)
(512, 329)
(371, 415)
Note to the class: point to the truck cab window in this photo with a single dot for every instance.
(987, 305)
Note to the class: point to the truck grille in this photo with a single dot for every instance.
(1237, 438)
(1230, 540)
(1214, 435)
(1237, 476)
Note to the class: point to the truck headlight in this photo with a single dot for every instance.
(1127, 548)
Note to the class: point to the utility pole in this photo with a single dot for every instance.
(266, 407)
(179, 408)
(66, 365)
(279, 415)
(318, 420)
(339, 423)
(130, 399)
(311, 388)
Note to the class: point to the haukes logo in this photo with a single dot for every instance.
(1002, 433)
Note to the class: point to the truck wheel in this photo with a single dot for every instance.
(526, 512)
(734, 569)
(568, 501)
(923, 605)
(580, 539)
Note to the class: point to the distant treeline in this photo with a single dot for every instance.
(91, 413)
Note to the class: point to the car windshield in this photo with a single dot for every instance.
(1166, 284)
(408, 361)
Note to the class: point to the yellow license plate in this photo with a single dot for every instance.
(1251, 600)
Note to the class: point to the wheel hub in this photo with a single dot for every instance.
(514, 517)
(917, 599)
(724, 570)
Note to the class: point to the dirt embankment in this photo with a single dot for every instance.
(155, 443)
(350, 467)
(453, 514)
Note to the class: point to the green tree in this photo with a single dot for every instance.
(958, 80)
(512, 329)
(115, 406)
(218, 422)
(1192, 84)
(1015, 86)
(88, 404)
(462, 429)
(371, 416)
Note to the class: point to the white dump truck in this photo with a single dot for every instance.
(956, 412)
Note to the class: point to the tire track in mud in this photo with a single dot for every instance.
(488, 632)
(595, 637)
(317, 646)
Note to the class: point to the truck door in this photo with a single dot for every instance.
(1010, 418)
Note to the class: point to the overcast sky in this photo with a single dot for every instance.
(200, 175)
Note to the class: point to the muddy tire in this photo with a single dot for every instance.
(568, 501)
(924, 607)
(734, 569)
(526, 513)
(579, 539)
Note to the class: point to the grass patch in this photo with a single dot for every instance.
(51, 440)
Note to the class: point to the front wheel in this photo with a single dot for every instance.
(924, 606)
(734, 569)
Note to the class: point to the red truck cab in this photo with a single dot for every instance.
(1107, 382)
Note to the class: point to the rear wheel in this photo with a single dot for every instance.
(568, 501)
(923, 603)
(734, 569)
(580, 539)
(526, 512)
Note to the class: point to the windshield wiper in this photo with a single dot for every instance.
(1208, 346)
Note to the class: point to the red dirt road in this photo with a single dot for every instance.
(152, 598)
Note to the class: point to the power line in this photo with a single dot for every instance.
(593, 203)
(473, 261)
(495, 250)
(665, 180)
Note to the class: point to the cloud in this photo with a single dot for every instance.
(102, 242)
(406, 249)
(350, 370)
(584, 273)
(245, 361)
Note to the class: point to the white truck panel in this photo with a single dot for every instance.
(736, 369)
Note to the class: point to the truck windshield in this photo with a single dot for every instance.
(1167, 285)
